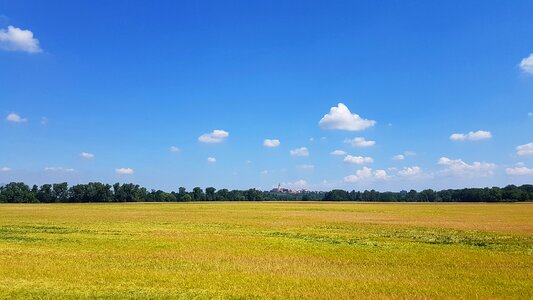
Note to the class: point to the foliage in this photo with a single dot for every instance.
(17, 192)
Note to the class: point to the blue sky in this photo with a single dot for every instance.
(439, 95)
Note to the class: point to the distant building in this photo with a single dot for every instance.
(281, 190)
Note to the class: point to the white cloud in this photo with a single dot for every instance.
(366, 174)
(380, 174)
(459, 167)
(271, 143)
(471, 136)
(341, 118)
(58, 169)
(338, 152)
(298, 184)
(359, 160)
(527, 64)
(16, 39)
(86, 155)
(216, 136)
(15, 118)
(306, 167)
(398, 157)
(360, 142)
(211, 159)
(526, 149)
(5, 169)
(124, 171)
(302, 151)
(519, 171)
(530, 114)
(44, 121)
(410, 171)
(174, 149)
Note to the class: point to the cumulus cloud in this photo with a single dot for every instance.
(398, 157)
(211, 159)
(15, 118)
(471, 136)
(59, 169)
(5, 169)
(366, 174)
(358, 160)
(86, 155)
(341, 118)
(124, 171)
(527, 64)
(16, 39)
(519, 171)
(174, 149)
(459, 167)
(360, 142)
(410, 171)
(216, 136)
(338, 152)
(302, 151)
(271, 143)
(526, 149)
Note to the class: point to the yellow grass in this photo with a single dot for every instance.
(266, 250)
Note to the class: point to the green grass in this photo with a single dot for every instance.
(266, 250)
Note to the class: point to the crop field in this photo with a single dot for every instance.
(266, 250)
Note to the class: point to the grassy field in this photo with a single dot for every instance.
(266, 250)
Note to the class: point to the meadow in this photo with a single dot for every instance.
(274, 250)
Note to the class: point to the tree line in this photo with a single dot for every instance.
(18, 192)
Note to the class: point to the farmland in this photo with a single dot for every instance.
(229, 250)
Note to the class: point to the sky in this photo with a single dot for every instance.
(385, 95)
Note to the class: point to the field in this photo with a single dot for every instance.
(266, 250)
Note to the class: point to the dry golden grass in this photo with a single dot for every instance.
(266, 250)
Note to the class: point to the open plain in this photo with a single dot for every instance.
(234, 250)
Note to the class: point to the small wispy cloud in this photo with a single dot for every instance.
(174, 149)
(338, 152)
(124, 171)
(410, 171)
(366, 174)
(526, 149)
(471, 136)
(86, 155)
(302, 151)
(15, 118)
(358, 160)
(59, 169)
(519, 171)
(527, 64)
(211, 160)
(271, 143)
(216, 136)
(306, 167)
(360, 142)
(398, 157)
